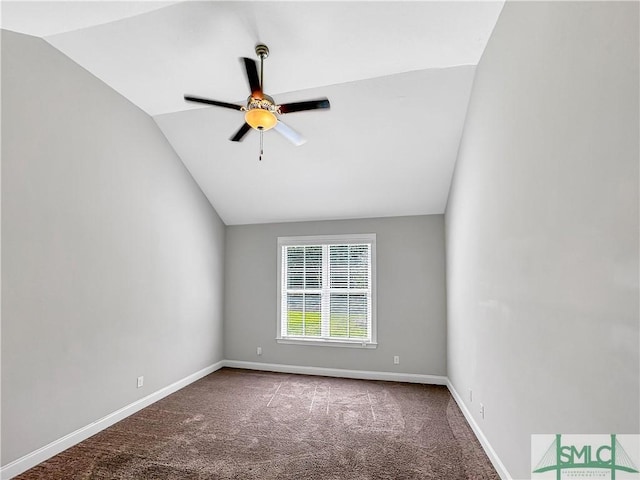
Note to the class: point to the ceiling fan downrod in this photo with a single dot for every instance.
(263, 52)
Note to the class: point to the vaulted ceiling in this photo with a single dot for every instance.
(398, 75)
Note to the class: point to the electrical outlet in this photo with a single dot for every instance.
(259, 351)
(470, 395)
(140, 381)
(482, 411)
(396, 360)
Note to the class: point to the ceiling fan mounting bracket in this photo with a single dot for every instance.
(262, 50)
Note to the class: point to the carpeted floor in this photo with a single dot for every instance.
(245, 425)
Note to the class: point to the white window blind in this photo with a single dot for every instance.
(326, 289)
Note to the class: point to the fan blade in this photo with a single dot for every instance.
(239, 135)
(289, 133)
(301, 106)
(252, 77)
(189, 98)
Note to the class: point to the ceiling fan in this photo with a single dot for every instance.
(261, 111)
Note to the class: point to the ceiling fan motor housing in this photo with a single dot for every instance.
(261, 112)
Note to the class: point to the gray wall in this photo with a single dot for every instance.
(410, 302)
(112, 258)
(542, 228)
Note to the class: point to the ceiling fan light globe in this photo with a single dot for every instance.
(260, 119)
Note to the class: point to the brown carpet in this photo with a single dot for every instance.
(245, 425)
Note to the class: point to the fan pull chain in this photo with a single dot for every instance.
(261, 149)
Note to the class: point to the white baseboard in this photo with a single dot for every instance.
(491, 453)
(339, 372)
(34, 458)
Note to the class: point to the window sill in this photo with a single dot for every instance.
(321, 342)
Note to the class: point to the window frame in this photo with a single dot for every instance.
(341, 239)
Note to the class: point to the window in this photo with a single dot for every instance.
(326, 293)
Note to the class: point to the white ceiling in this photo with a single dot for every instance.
(398, 75)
